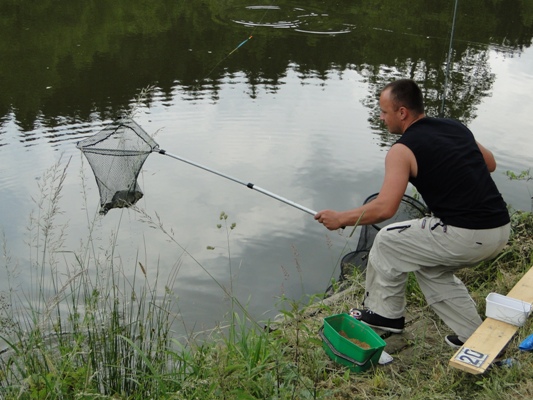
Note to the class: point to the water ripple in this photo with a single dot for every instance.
(295, 18)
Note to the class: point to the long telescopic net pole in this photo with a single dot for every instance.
(116, 155)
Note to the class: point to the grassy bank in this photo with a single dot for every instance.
(94, 334)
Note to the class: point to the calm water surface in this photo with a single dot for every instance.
(293, 110)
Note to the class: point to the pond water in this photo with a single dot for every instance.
(292, 110)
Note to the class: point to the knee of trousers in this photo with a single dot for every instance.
(384, 260)
(450, 294)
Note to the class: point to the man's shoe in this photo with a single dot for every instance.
(453, 341)
(394, 325)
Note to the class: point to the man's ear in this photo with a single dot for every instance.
(403, 113)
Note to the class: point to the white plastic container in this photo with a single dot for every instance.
(507, 309)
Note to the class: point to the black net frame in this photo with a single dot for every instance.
(410, 208)
(116, 155)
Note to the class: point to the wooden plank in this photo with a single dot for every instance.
(480, 350)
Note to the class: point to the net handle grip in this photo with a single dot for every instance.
(247, 184)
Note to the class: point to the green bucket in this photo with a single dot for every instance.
(350, 342)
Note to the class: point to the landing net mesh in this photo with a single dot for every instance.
(116, 155)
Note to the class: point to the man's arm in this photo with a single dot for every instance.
(488, 157)
(399, 165)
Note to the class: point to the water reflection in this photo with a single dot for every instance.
(107, 61)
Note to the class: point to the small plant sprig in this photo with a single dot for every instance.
(224, 217)
(524, 175)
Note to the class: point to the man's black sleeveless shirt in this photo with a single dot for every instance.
(452, 177)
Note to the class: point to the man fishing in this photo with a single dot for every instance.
(469, 221)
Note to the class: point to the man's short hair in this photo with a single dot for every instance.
(406, 93)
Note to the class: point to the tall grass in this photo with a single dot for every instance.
(84, 328)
